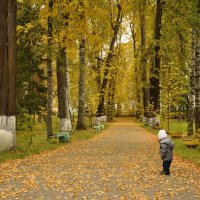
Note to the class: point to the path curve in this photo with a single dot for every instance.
(120, 163)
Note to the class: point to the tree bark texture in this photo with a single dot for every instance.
(62, 90)
(8, 67)
(12, 55)
(3, 58)
(68, 90)
(81, 100)
(197, 75)
(191, 100)
(155, 72)
(49, 73)
(111, 95)
(133, 34)
(143, 56)
(100, 107)
(98, 73)
(136, 69)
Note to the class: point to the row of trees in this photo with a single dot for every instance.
(101, 55)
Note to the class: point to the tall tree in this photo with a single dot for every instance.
(197, 74)
(12, 63)
(154, 80)
(143, 55)
(63, 92)
(8, 66)
(49, 71)
(65, 122)
(136, 66)
(115, 28)
(82, 64)
(81, 94)
(191, 100)
(31, 79)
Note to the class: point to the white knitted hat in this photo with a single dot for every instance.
(162, 134)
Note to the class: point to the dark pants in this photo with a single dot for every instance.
(166, 167)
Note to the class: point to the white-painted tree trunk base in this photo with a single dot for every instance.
(3, 123)
(6, 140)
(65, 125)
(103, 118)
(150, 121)
(7, 132)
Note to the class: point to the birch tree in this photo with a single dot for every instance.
(63, 90)
(82, 65)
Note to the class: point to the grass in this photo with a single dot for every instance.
(39, 141)
(176, 125)
(83, 135)
(23, 140)
(191, 154)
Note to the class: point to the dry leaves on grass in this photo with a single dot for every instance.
(120, 163)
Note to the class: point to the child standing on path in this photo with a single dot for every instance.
(166, 151)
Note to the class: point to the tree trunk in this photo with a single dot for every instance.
(136, 69)
(143, 57)
(49, 73)
(191, 100)
(81, 100)
(98, 76)
(197, 77)
(133, 34)
(119, 110)
(12, 66)
(3, 63)
(111, 95)
(62, 90)
(100, 107)
(68, 92)
(8, 67)
(155, 73)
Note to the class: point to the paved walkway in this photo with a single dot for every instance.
(121, 163)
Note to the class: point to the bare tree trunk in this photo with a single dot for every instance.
(68, 91)
(49, 73)
(111, 95)
(62, 90)
(3, 63)
(8, 67)
(98, 70)
(63, 81)
(81, 101)
(191, 103)
(144, 57)
(197, 76)
(154, 80)
(133, 34)
(136, 68)
(12, 66)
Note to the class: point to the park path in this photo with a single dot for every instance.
(120, 163)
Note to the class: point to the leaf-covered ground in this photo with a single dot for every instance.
(121, 162)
